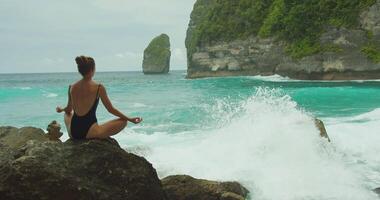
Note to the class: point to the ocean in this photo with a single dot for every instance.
(255, 130)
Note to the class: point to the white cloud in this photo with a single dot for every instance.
(37, 29)
(51, 61)
(128, 54)
(179, 54)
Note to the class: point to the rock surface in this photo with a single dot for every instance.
(77, 170)
(377, 191)
(54, 131)
(258, 56)
(17, 137)
(182, 187)
(157, 56)
(32, 167)
(322, 129)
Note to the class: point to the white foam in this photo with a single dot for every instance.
(50, 95)
(139, 105)
(24, 88)
(358, 138)
(269, 145)
(273, 78)
(279, 78)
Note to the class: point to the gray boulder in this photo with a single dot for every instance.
(183, 187)
(157, 56)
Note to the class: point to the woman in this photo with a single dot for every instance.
(83, 99)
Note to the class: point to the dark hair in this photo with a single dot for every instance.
(85, 64)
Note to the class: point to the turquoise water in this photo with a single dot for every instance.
(256, 130)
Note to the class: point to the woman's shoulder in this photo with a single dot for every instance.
(98, 84)
(74, 84)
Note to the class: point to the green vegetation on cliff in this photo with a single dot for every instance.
(372, 52)
(157, 55)
(297, 22)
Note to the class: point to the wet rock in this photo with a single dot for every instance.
(183, 187)
(322, 129)
(377, 191)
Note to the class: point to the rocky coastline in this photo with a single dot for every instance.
(343, 58)
(32, 166)
(36, 165)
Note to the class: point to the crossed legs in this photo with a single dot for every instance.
(101, 131)
(107, 129)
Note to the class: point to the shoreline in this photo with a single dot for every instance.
(301, 76)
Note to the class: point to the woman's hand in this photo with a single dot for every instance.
(136, 120)
(59, 109)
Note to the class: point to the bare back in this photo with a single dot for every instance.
(83, 94)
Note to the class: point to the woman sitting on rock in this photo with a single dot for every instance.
(83, 99)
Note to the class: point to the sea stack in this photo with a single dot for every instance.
(157, 56)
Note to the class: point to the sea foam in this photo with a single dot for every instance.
(269, 145)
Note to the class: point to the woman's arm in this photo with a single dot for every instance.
(107, 103)
(69, 106)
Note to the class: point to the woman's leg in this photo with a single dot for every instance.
(67, 119)
(107, 129)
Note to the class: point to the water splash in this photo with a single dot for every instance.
(269, 145)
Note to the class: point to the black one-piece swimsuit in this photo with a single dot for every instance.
(81, 124)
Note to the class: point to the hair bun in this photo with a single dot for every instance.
(80, 60)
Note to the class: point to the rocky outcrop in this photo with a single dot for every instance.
(322, 129)
(377, 191)
(157, 56)
(32, 167)
(17, 137)
(182, 187)
(370, 20)
(54, 131)
(267, 56)
(77, 170)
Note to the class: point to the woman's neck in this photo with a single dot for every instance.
(87, 79)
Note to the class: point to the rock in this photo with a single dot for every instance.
(54, 132)
(377, 191)
(33, 167)
(183, 187)
(18, 137)
(90, 169)
(157, 56)
(254, 55)
(370, 19)
(322, 130)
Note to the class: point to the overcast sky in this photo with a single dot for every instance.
(47, 35)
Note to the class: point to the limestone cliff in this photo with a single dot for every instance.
(157, 56)
(266, 37)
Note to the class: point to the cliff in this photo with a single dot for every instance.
(317, 39)
(157, 56)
